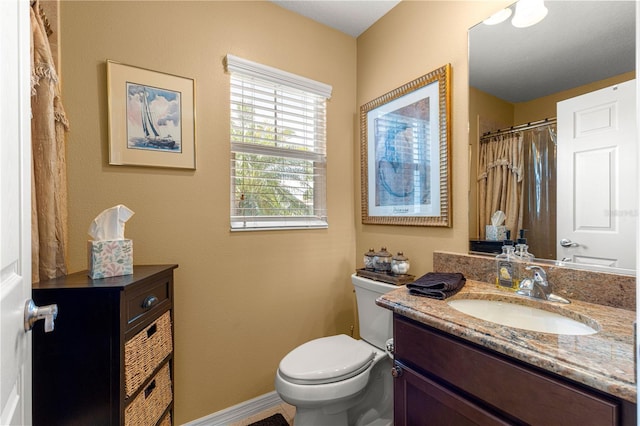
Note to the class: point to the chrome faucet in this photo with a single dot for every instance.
(541, 288)
(538, 287)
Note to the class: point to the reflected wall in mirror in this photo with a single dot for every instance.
(517, 77)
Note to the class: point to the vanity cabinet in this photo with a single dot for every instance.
(109, 359)
(442, 380)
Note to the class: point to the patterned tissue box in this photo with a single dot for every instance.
(495, 233)
(110, 258)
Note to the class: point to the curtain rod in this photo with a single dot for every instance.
(526, 126)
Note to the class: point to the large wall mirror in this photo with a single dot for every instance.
(557, 88)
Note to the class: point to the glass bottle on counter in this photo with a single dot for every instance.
(523, 258)
(507, 266)
(522, 249)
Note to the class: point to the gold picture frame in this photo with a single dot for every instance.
(405, 154)
(151, 118)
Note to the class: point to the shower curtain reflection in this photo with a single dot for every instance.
(517, 174)
(539, 190)
(500, 179)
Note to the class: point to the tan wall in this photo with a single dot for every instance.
(413, 39)
(242, 300)
(545, 107)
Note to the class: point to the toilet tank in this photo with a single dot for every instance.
(376, 323)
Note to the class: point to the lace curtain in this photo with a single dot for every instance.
(500, 176)
(49, 176)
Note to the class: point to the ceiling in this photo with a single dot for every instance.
(351, 17)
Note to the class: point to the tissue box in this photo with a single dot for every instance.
(110, 258)
(495, 233)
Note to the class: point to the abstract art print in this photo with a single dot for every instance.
(151, 118)
(405, 154)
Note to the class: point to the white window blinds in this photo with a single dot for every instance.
(278, 148)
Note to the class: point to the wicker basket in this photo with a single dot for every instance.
(166, 421)
(145, 351)
(151, 403)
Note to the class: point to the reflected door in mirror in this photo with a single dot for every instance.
(598, 178)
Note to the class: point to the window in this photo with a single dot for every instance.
(278, 148)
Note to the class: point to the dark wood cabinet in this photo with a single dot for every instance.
(109, 359)
(444, 380)
(422, 401)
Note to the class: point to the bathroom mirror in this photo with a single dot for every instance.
(517, 75)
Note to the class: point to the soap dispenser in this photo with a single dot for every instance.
(523, 256)
(506, 266)
(522, 249)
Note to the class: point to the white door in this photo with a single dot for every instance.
(15, 213)
(597, 177)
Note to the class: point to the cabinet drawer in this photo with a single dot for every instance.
(152, 402)
(421, 401)
(145, 298)
(525, 393)
(144, 352)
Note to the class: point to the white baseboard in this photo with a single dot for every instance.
(240, 411)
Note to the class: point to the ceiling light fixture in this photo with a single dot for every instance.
(528, 13)
(499, 16)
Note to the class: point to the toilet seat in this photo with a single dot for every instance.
(326, 360)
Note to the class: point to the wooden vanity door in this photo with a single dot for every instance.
(418, 400)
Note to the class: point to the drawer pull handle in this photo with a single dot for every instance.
(396, 372)
(152, 330)
(149, 389)
(149, 301)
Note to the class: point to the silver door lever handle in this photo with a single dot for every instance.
(568, 243)
(33, 313)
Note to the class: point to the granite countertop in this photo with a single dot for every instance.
(602, 361)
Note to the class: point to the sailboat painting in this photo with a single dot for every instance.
(153, 118)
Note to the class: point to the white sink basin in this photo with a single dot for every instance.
(520, 316)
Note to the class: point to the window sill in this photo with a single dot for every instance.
(280, 225)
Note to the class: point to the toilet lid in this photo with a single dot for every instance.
(326, 360)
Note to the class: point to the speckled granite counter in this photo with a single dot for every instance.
(569, 282)
(602, 361)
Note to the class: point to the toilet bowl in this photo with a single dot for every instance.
(339, 380)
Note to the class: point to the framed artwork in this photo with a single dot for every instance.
(151, 118)
(405, 159)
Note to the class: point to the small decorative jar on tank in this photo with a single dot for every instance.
(400, 264)
(382, 260)
(369, 260)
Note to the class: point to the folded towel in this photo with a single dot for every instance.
(437, 285)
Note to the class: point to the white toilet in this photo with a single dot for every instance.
(337, 380)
